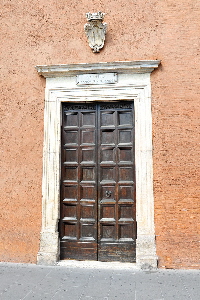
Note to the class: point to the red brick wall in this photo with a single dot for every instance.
(51, 32)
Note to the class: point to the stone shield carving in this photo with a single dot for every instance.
(95, 30)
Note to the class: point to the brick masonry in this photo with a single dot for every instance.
(51, 32)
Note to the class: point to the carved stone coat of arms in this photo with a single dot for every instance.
(95, 30)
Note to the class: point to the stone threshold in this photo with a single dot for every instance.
(97, 265)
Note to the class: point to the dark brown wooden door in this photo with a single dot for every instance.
(97, 220)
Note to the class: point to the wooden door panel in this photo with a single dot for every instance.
(78, 250)
(87, 137)
(70, 155)
(87, 193)
(70, 174)
(87, 174)
(72, 136)
(126, 173)
(69, 192)
(117, 234)
(78, 223)
(88, 119)
(124, 252)
(125, 154)
(107, 155)
(107, 118)
(126, 193)
(108, 137)
(70, 119)
(98, 182)
(125, 118)
(107, 212)
(88, 155)
(125, 137)
(108, 174)
(126, 212)
(87, 230)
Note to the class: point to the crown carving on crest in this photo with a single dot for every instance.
(95, 16)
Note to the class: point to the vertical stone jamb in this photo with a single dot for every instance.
(49, 241)
(145, 245)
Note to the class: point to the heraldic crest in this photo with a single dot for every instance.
(95, 30)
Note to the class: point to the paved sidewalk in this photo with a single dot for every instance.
(87, 280)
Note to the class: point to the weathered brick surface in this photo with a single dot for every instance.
(51, 32)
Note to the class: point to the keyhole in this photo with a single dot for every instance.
(108, 194)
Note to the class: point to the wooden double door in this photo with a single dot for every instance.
(98, 209)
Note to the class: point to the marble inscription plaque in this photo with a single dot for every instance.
(102, 78)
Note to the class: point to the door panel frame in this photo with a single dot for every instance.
(106, 117)
(61, 86)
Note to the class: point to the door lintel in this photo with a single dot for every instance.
(140, 67)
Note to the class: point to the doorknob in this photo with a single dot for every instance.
(108, 194)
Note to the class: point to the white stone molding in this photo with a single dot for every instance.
(125, 67)
(61, 86)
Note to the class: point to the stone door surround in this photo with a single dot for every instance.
(114, 81)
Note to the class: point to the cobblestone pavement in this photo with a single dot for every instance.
(87, 280)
